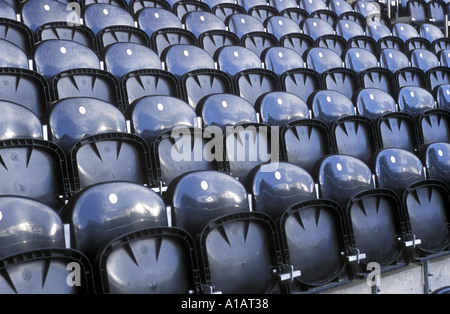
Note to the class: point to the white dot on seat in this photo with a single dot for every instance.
(63, 50)
(277, 175)
(236, 54)
(440, 153)
(82, 110)
(129, 52)
(328, 99)
(339, 166)
(105, 12)
(160, 107)
(280, 23)
(1, 216)
(47, 7)
(320, 55)
(113, 198)
(242, 20)
(204, 185)
(357, 55)
(186, 53)
(372, 97)
(157, 15)
(280, 54)
(202, 18)
(280, 101)
(393, 160)
(412, 94)
(224, 104)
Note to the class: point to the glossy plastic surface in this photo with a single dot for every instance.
(280, 108)
(18, 121)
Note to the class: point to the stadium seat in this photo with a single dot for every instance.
(418, 43)
(313, 236)
(31, 89)
(181, 59)
(349, 182)
(234, 59)
(404, 31)
(442, 94)
(423, 59)
(250, 84)
(228, 233)
(71, 119)
(333, 42)
(224, 109)
(153, 19)
(310, 5)
(149, 82)
(301, 82)
(224, 10)
(110, 157)
(281, 25)
(340, 7)
(17, 33)
(281, 59)
(168, 258)
(348, 29)
(242, 24)
(186, 149)
(440, 44)
(259, 41)
(306, 141)
(359, 59)
(326, 15)
(354, 17)
(298, 42)
(150, 116)
(98, 16)
(51, 57)
(391, 42)
(280, 108)
(417, 11)
(263, 12)
(121, 33)
(248, 145)
(364, 42)
(377, 30)
(434, 126)
(9, 49)
(35, 13)
(415, 100)
(36, 169)
(437, 76)
(444, 57)
(316, 27)
(430, 32)
(330, 105)
(211, 41)
(398, 130)
(199, 22)
(182, 7)
(410, 76)
(423, 200)
(129, 206)
(366, 8)
(18, 121)
(322, 59)
(7, 11)
(373, 103)
(281, 5)
(135, 6)
(120, 3)
(343, 80)
(274, 188)
(61, 30)
(393, 59)
(295, 14)
(380, 78)
(123, 57)
(434, 157)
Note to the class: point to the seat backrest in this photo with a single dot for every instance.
(330, 105)
(316, 27)
(397, 169)
(47, 228)
(373, 103)
(434, 126)
(234, 59)
(306, 141)
(334, 42)
(310, 5)
(281, 25)
(110, 157)
(12, 56)
(199, 22)
(153, 19)
(199, 197)
(410, 76)
(225, 109)
(415, 100)
(18, 121)
(279, 108)
(393, 59)
(423, 59)
(51, 57)
(129, 206)
(380, 78)
(359, 59)
(322, 59)
(151, 115)
(431, 32)
(98, 16)
(36, 169)
(281, 59)
(377, 30)
(341, 177)
(36, 13)
(404, 31)
(71, 119)
(275, 188)
(348, 29)
(301, 82)
(7, 10)
(121, 33)
(242, 24)
(17, 33)
(339, 6)
(121, 58)
(181, 59)
(435, 159)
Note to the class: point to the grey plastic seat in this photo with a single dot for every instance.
(12, 55)
(373, 103)
(71, 119)
(348, 28)
(434, 157)
(122, 58)
(199, 22)
(98, 16)
(152, 115)
(280, 108)
(65, 54)
(316, 27)
(153, 19)
(282, 59)
(322, 59)
(424, 59)
(18, 121)
(404, 31)
(359, 59)
(242, 24)
(223, 109)
(393, 60)
(234, 59)
(130, 206)
(310, 5)
(415, 100)
(280, 26)
(330, 105)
